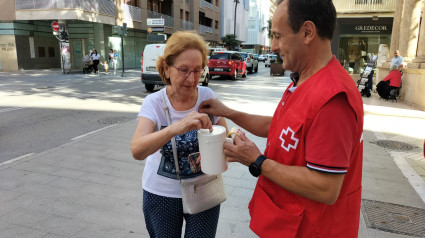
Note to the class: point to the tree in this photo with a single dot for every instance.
(230, 41)
(269, 28)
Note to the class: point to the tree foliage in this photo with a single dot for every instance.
(230, 41)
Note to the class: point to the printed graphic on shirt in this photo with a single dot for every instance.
(288, 139)
(186, 144)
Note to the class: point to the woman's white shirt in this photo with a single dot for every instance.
(95, 56)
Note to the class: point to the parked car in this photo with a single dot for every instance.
(150, 76)
(270, 58)
(227, 63)
(262, 58)
(251, 62)
(205, 77)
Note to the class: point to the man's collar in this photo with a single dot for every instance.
(295, 77)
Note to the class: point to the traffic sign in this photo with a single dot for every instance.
(155, 21)
(55, 26)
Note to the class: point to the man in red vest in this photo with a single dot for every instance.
(309, 181)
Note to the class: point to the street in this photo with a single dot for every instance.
(45, 110)
(67, 169)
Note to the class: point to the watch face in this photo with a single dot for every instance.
(254, 170)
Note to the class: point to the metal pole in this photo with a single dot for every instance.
(234, 25)
(122, 56)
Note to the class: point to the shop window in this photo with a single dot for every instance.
(41, 52)
(51, 51)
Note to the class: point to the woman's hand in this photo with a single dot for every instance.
(193, 121)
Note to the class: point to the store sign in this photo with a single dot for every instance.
(366, 29)
(155, 21)
(157, 29)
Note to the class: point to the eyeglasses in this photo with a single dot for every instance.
(184, 72)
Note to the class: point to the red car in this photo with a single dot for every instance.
(228, 63)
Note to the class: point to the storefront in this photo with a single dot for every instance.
(356, 39)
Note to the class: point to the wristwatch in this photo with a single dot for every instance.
(255, 168)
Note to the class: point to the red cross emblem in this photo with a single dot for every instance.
(288, 139)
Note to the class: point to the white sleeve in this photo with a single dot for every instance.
(148, 109)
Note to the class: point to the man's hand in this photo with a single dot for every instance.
(214, 107)
(242, 150)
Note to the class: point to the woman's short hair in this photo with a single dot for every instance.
(176, 44)
(393, 67)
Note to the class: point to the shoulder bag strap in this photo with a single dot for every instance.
(173, 140)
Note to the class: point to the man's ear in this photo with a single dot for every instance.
(310, 32)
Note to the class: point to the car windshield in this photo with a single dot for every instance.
(244, 55)
(220, 56)
(272, 56)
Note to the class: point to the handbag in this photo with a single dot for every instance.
(200, 193)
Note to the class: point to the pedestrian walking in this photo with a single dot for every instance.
(309, 181)
(115, 61)
(96, 57)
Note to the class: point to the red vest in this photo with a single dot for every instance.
(276, 212)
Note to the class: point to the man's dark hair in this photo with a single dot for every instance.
(321, 12)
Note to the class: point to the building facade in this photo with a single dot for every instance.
(408, 36)
(232, 23)
(363, 26)
(27, 40)
(259, 14)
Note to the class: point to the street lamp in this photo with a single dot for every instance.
(234, 26)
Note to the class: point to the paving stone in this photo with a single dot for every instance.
(16, 231)
(60, 225)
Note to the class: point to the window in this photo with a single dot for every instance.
(51, 52)
(134, 3)
(41, 52)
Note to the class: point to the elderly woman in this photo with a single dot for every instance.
(180, 68)
(392, 81)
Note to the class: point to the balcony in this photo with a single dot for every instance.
(204, 4)
(105, 7)
(365, 6)
(132, 13)
(186, 25)
(204, 29)
(169, 20)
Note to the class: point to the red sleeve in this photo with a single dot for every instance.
(331, 137)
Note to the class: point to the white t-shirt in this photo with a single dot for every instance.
(158, 177)
(96, 56)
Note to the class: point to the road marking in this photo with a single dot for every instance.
(9, 109)
(92, 132)
(416, 181)
(16, 159)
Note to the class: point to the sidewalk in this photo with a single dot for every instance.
(91, 186)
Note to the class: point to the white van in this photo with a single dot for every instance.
(150, 76)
